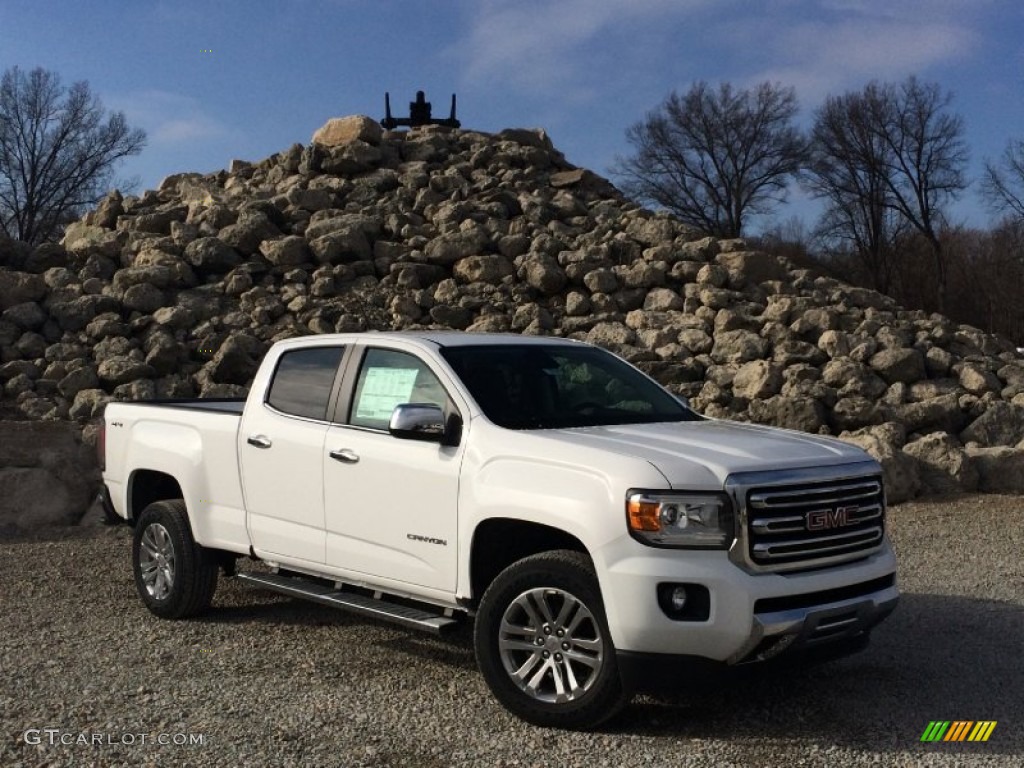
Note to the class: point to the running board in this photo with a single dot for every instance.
(416, 618)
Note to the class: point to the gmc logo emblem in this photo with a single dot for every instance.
(822, 519)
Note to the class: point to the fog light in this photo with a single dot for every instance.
(685, 602)
(677, 598)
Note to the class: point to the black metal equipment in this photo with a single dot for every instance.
(419, 114)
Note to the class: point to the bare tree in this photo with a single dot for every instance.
(928, 160)
(58, 149)
(1002, 187)
(906, 152)
(715, 157)
(850, 168)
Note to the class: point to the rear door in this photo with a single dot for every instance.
(280, 448)
(391, 505)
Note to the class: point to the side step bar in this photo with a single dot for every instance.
(415, 618)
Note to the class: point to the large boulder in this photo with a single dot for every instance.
(945, 467)
(1000, 424)
(900, 470)
(339, 131)
(47, 476)
(1000, 468)
(20, 287)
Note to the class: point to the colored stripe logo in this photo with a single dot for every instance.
(958, 730)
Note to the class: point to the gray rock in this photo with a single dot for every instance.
(1000, 468)
(345, 244)
(28, 315)
(246, 234)
(144, 298)
(757, 380)
(488, 268)
(19, 287)
(212, 255)
(450, 248)
(906, 365)
(285, 252)
(236, 360)
(77, 380)
(339, 131)
(123, 369)
(350, 159)
(939, 414)
(900, 471)
(601, 281)
(88, 404)
(751, 267)
(76, 314)
(1001, 424)
(659, 299)
(544, 274)
(945, 467)
(106, 324)
(799, 413)
(611, 335)
(978, 380)
(451, 317)
(737, 347)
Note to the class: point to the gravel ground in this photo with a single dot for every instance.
(265, 680)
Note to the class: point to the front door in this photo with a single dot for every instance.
(391, 504)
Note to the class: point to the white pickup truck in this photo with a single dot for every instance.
(600, 533)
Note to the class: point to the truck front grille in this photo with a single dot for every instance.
(790, 526)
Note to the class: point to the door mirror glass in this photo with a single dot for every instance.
(417, 421)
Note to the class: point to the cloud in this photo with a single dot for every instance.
(169, 118)
(842, 44)
(539, 44)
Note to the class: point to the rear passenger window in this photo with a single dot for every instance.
(303, 380)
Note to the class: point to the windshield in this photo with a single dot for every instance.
(558, 386)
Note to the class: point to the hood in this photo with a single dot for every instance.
(685, 452)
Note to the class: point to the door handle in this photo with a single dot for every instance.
(345, 455)
(260, 441)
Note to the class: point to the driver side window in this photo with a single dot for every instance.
(388, 378)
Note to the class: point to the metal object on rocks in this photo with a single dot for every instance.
(419, 114)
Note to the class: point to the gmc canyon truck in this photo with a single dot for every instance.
(599, 533)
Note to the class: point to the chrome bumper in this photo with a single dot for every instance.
(800, 629)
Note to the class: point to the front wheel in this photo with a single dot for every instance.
(175, 576)
(543, 645)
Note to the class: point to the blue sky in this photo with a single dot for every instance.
(582, 69)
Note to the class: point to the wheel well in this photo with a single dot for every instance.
(147, 486)
(499, 542)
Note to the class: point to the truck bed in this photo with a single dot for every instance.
(232, 405)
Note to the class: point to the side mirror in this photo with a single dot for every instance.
(418, 421)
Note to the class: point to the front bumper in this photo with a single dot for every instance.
(805, 634)
(750, 615)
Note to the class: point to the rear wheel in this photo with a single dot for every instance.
(543, 645)
(175, 576)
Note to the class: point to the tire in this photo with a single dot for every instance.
(175, 577)
(570, 679)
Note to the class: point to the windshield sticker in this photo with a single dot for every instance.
(383, 389)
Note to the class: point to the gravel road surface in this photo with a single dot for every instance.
(265, 680)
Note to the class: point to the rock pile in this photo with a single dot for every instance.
(178, 293)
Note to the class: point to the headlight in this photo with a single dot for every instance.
(694, 520)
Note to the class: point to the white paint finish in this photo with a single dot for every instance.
(284, 483)
(352, 521)
(397, 489)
